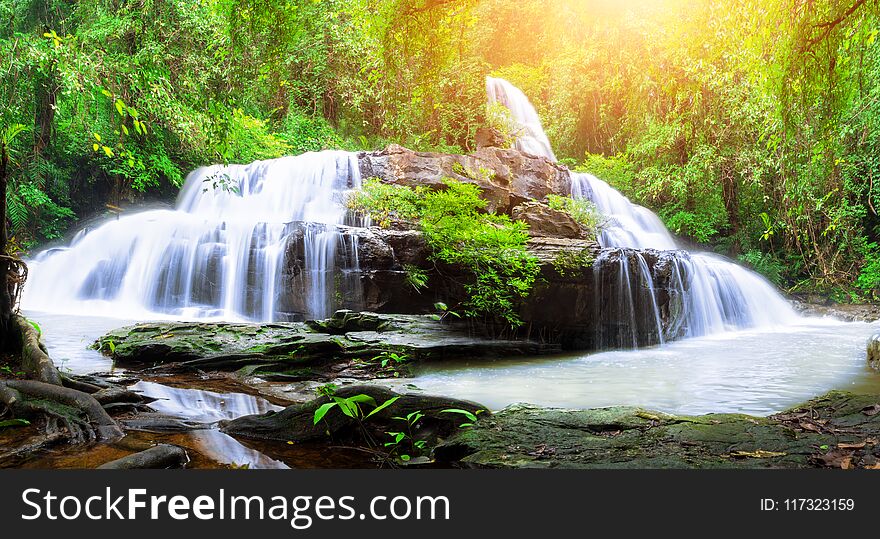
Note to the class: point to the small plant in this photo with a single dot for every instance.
(580, 209)
(500, 119)
(7, 370)
(388, 357)
(399, 440)
(443, 311)
(326, 390)
(221, 181)
(471, 416)
(416, 277)
(351, 407)
(36, 327)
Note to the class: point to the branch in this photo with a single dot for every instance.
(828, 26)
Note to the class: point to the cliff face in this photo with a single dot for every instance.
(585, 298)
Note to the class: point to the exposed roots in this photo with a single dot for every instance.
(83, 416)
(69, 409)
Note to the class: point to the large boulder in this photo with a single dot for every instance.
(345, 344)
(544, 221)
(506, 177)
(837, 430)
(296, 423)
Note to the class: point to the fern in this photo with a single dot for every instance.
(17, 211)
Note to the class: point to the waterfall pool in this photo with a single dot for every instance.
(758, 372)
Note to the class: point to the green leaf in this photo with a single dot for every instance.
(120, 107)
(14, 423)
(465, 413)
(382, 406)
(322, 411)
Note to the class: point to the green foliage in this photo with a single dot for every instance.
(352, 407)
(499, 118)
(416, 277)
(459, 231)
(385, 203)
(491, 247)
(9, 423)
(444, 312)
(471, 417)
(869, 277)
(571, 262)
(404, 445)
(580, 209)
(766, 264)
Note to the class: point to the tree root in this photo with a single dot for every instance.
(159, 457)
(34, 359)
(61, 405)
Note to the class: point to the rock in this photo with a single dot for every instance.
(487, 137)
(545, 221)
(314, 350)
(296, 423)
(506, 177)
(522, 436)
(874, 351)
(162, 456)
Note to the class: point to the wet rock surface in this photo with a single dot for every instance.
(344, 344)
(837, 430)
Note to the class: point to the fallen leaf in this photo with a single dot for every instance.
(858, 445)
(809, 426)
(846, 463)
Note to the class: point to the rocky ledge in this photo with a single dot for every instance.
(360, 345)
(837, 430)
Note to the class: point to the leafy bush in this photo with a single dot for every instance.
(500, 119)
(766, 264)
(490, 246)
(869, 277)
(307, 134)
(580, 209)
(384, 203)
(459, 231)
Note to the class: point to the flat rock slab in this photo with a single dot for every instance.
(304, 349)
(837, 430)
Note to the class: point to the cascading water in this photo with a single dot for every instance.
(225, 252)
(531, 139)
(711, 293)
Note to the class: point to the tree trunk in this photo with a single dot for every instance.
(5, 294)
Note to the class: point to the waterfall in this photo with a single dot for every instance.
(259, 242)
(711, 293)
(531, 138)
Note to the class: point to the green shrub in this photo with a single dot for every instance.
(499, 118)
(491, 247)
(869, 277)
(764, 263)
(385, 203)
(580, 209)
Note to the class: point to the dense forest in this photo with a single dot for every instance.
(752, 127)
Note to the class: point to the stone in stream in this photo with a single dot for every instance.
(838, 430)
(873, 350)
(296, 423)
(314, 350)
